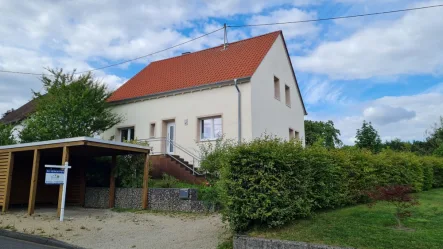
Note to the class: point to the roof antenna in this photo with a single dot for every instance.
(225, 42)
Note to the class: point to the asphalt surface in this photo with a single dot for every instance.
(9, 243)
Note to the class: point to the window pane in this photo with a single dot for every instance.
(206, 129)
(124, 135)
(218, 132)
(132, 137)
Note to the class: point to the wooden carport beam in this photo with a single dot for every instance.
(8, 181)
(34, 180)
(65, 158)
(145, 182)
(112, 182)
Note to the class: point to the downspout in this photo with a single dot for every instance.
(239, 111)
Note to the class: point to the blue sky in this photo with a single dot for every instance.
(384, 69)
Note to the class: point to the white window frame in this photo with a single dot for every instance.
(213, 136)
(129, 132)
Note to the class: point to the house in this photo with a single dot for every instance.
(16, 117)
(240, 92)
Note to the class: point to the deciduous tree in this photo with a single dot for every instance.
(367, 137)
(72, 106)
(324, 132)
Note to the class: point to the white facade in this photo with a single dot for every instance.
(186, 110)
(260, 111)
(269, 114)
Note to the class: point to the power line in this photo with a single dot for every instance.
(144, 56)
(239, 26)
(16, 72)
(122, 62)
(338, 17)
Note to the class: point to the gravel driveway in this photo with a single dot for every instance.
(96, 228)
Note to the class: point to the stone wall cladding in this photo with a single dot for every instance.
(97, 197)
(246, 242)
(168, 199)
(162, 199)
(128, 198)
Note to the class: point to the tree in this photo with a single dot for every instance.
(72, 106)
(324, 132)
(397, 195)
(6, 136)
(435, 135)
(367, 137)
(398, 145)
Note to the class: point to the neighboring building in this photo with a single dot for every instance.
(16, 117)
(192, 98)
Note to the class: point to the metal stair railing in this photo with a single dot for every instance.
(163, 151)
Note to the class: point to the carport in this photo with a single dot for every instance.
(22, 170)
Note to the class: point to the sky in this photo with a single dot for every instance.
(385, 69)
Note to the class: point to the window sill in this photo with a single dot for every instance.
(289, 106)
(208, 140)
(277, 98)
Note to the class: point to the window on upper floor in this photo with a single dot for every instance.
(288, 96)
(210, 128)
(276, 88)
(127, 134)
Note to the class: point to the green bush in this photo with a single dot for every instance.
(269, 182)
(264, 182)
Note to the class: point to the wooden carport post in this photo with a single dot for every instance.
(8, 181)
(112, 182)
(34, 180)
(145, 182)
(65, 158)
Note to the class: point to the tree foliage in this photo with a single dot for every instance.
(73, 106)
(367, 137)
(6, 134)
(323, 132)
(397, 195)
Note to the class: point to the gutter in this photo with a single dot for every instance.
(239, 111)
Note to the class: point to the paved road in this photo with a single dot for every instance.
(8, 243)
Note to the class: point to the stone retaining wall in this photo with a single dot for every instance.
(164, 199)
(246, 242)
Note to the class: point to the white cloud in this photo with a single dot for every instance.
(406, 46)
(387, 114)
(426, 106)
(286, 15)
(320, 92)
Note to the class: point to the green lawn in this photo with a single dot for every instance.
(370, 228)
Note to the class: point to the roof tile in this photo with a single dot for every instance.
(212, 65)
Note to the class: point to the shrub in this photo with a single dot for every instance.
(269, 182)
(397, 195)
(265, 183)
(130, 168)
(167, 181)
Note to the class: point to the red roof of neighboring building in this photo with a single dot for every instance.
(213, 65)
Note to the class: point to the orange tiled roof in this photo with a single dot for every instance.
(240, 59)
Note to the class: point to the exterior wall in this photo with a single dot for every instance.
(221, 101)
(269, 114)
(164, 199)
(246, 242)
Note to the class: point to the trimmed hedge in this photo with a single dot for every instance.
(269, 182)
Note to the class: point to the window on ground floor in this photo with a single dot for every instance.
(127, 134)
(210, 128)
(152, 130)
(293, 134)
